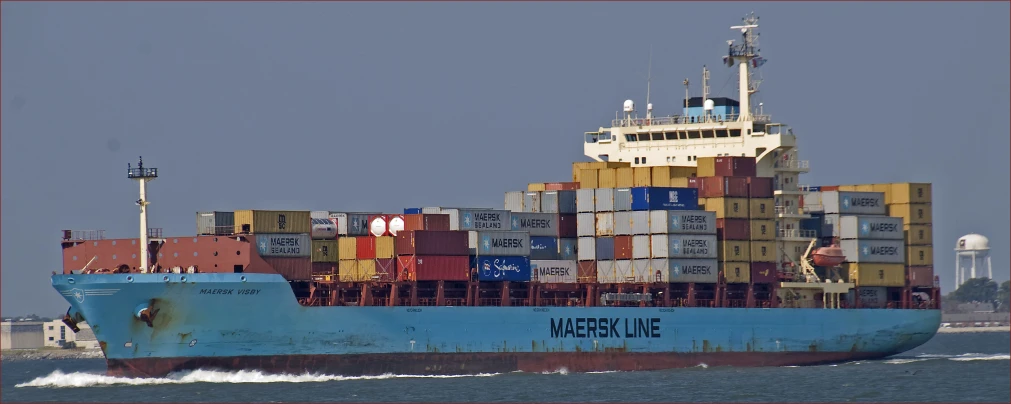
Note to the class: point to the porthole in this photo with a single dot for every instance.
(175, 241)
(134, 242)
(194, 239)
(113, 256)
(95, 243)
(175, 254)
(160, 255)
(238, 252)
(75, 258)
(194, 253)
(215, 253)
(113, 242)
(134, 256)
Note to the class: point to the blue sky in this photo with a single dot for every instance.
(379, 106)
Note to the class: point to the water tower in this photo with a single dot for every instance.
(971, 252)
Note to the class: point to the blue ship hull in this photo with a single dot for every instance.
(253, 321)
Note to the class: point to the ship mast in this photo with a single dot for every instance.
(746, 55)
(142, 175)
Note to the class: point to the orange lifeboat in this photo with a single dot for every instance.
(828, 256)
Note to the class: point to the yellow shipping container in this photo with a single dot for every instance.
(661, 176)
(607, 177)
(918, 234)
(588, 178)
(347, 248)
(706, 167)
(578, 167)
(763, 251)
(883, 188)
(728, 208)
(273, 221)
(848, 188)
(683, 171)
(347, 270)
(643, 176)
(763, 230)
(624, 177)
(919, 255)
(889, 275)
(733, 250)
(911, 213)
(325, 251)
(535, 186)
(907, 192)
(736, 272)
(865, 188)
(384, 247)
(678, 182)
(761, 208)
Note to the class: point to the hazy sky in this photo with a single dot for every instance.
(380, 106)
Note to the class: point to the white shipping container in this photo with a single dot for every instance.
(682, 222)
(874, 251)
(532, 201)
(554, 271)
(870, 297)
(640, 246)
(604, 201)
(658, 246)
(622, 199)
(640, 222)
(585, 198)
(605, 224)
(644, 272)
(870, 227)
(586, 224)
(605, 271)
(622, 223)
(514, 201)
(662, 266)
(319, 214)
(586, 249)
(624, 272)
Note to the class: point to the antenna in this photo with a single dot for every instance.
(746, 54)
(142, 175)
(649, 80)
(705, 93)
(687, 97)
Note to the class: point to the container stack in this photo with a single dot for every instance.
(432, 255)
(552, 244)
(912, 203)
(498, 249)
(282, 239)
(745, 218)
(623, 175)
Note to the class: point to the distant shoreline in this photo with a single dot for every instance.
(14, 355)
(960, 330)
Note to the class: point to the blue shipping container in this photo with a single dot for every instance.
(567, 248)
(663, 198)
(544, 248)
(605, 248)
(412, 211)
(495, 268)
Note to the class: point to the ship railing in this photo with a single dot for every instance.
(737, 303)
(792, 188)
(705, 302)
(70, 235)
(216, 231)
(454, 301)
(786, 210)
(154, 232)
(683, 120)
(792, 164)
(797, 233)
(489, 301)
(558, 302)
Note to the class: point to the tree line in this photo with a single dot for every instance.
(979, 290)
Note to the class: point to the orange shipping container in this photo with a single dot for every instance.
(561, 186)
(918, 234)
(643, 176)
(589, 179)
(606, 177)
(624, 177)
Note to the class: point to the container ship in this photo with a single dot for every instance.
(687, 240)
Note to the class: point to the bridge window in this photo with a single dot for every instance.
(722, 133)
(591, 137)
(708, 134)
(670, 135)
(643, 137)
(694, 134)
(657, 136)
(630, 138)
(636, 160)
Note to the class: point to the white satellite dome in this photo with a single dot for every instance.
(629, 106)
(973, 242)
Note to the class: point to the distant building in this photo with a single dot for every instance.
(21, 335)
(57, 334)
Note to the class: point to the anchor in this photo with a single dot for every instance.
(146, 313)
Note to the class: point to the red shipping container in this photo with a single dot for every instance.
(379, 225)
(920, 276)
(366, 247)
(292, 269)
(622, 247)
(825, 188)
(764, 272)
(587, 272)
(567, 226)
(735, 166)
(386, 269)
(716, 187)
(426, 221)
(760, 187)
(733, 229)
(561, 186)
(695, 182)
(324, 268)
(433, 268)
(430, 242)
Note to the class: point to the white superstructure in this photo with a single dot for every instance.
(714, 127)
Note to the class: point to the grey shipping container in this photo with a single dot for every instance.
(692, 270)
(532, 201)
(869, 227)
(284, 245)
(701, 246)
(501, 243)
(478, 219)
(554, 271)
(604, 199)
(586, 249)
(537, 224)
(622, 199)
(585, 200)
(567, 248)
(605, 267)
(352, 224)
(641, 247)
(586, 224)
(847, 203)
(513, 201)
(870, 297)
(682, 222)
(563, 202)
(319, 214)
(874, 251)
(630, 223)
(605, 248)
(605, 224)
(215, 223)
